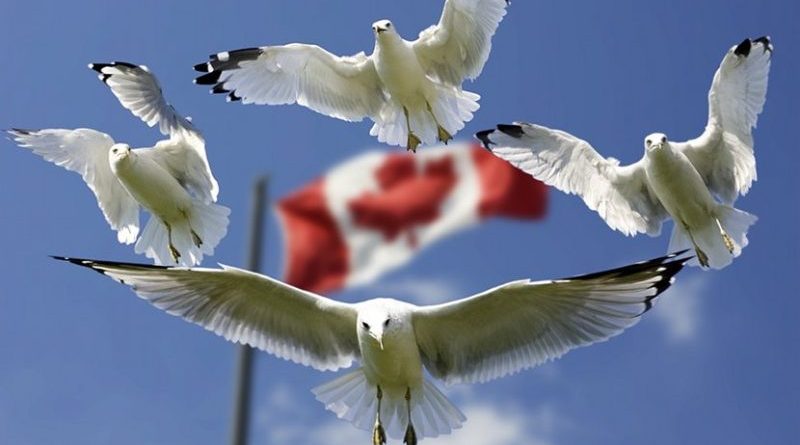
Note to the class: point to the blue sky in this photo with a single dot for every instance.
(82, 359)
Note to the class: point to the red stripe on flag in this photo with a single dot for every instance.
(316, 255)
(506, 190)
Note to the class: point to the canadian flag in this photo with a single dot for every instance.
(374, 212)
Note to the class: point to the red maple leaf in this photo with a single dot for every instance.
(407, 198)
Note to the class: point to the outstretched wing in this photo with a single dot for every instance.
(248, 308)
(347, 88)
(458, 46)
(723, 154)
(184, 155)
(523, 324)
(85, 151)
(619, 194)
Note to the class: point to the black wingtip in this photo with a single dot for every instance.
(743, 49)
(218, 89)
(766, 41)
(666, 266)
(20, 131)
(99, 66)
(98, 265)
(513, 130)
(211, 78)
(78, 262)
(202, 67)
(483, 136)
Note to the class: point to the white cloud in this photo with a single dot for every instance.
(421, 290)
(678, 310)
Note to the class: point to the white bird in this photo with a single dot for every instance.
(410, 90)
(172, 180)
(492, 334)
(673, 179)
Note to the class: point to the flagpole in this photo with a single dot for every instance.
(244, 363)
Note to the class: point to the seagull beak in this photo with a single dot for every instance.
(378, 338)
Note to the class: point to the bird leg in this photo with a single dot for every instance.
(172, 250)
(378, 433)
(195, 237)
(411, 435)
(701, 256)
(725, 237)
(443, 135)
(413, 141)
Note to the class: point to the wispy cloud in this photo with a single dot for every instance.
(680, 308)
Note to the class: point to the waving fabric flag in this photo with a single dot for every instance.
(374, 212)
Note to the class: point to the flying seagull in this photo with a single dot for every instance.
(410, 90)
(673, 179)
(498, 332)
(172, 180)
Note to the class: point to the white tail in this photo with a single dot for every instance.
(734, 221)
(354, 399)
(209, 222)
(452, 107)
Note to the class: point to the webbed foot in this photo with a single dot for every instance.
(444, 136)
(413, 142)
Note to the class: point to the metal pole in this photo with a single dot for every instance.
(244, 368)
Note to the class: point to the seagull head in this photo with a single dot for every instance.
(119, 152)
(375, 323)
(383, 27)
(655, 141)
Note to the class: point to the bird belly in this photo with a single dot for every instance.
(402, 76)
(395, 367)
(154, 188)
(680, 188)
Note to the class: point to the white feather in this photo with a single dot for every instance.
(85, 152)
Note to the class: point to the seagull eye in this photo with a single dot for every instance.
(648, 142)
(388, 25)
(386, 323)
(663, 139)
(365, 325)
(114, 150)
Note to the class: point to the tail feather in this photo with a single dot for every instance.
(708, 238)
(208, 221)
(452, 107)
(354, 399)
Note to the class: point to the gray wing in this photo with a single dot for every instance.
(723, 154)
(347, 88)
(248, 308)
(459, 45)
(85, 151)
(184, 154)
(619, 194)
(523, 324)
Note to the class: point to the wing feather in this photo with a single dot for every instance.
(85, 151)
(523, 324)
(620, 194)
(347, 88)
(459, 45)
(184, 155)
(723, 154)
(247, 308)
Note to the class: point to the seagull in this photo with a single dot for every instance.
(172, 180)
(498, 332)
(410, 90)
(677, 180)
